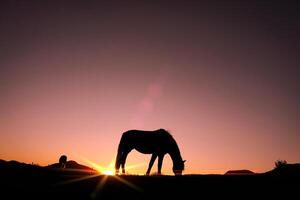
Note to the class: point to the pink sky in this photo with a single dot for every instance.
(73, 80)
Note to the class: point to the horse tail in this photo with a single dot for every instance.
(119, 154)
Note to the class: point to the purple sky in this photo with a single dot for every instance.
(223, 78)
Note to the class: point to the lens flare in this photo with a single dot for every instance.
(104, 173)
(108, 172)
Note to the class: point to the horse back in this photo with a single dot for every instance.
(158, 141)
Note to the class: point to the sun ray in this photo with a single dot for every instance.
(109, 170)
(78, 179)
(133, 186)
(77, 170)
(96, 166)
(106, 171)
(98, 190)
(135, 166)
(111, 164)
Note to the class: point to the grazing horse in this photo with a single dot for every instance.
(158, 143)
(62, 161)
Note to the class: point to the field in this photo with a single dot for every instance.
(33, 182)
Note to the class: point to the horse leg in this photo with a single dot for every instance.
(118, 162)
(153, 157)
(160, 161)
(123, 161)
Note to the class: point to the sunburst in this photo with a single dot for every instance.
(105, 172)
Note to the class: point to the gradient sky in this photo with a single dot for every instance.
(222, 78)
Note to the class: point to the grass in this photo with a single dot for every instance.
(42, 183)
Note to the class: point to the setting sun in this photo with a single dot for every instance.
(108, 172)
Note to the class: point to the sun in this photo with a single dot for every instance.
(105, 173)
(108, 172)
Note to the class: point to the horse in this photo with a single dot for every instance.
(62, 161)
(158, 143)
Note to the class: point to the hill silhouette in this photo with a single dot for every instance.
(71, 164)
(286, 170)
(13, 164)
(239, 172)
(26, 181)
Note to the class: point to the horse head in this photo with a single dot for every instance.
(178, 167)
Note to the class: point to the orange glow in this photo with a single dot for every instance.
(221, 80)
(108, 172)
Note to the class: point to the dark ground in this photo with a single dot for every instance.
(22, 181)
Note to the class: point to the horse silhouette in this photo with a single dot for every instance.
(62, 161)
(158, 143)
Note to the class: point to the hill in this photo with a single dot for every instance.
(23, 181)
(71, 164)
(239, 172)
(286, 170)
(13, 164)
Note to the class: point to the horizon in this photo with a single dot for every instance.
(222, 78)
(110, 170)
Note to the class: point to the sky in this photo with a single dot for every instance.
(222, 78)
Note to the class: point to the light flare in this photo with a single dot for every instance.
(104, 173)
(108, 172)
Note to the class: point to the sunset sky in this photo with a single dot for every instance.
(222, 78)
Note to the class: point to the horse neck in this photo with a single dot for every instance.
(175, 154)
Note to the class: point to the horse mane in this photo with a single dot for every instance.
(172, 140)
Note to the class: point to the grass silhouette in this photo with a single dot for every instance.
(24, 181)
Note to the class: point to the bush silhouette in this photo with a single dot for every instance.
(280, 163)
